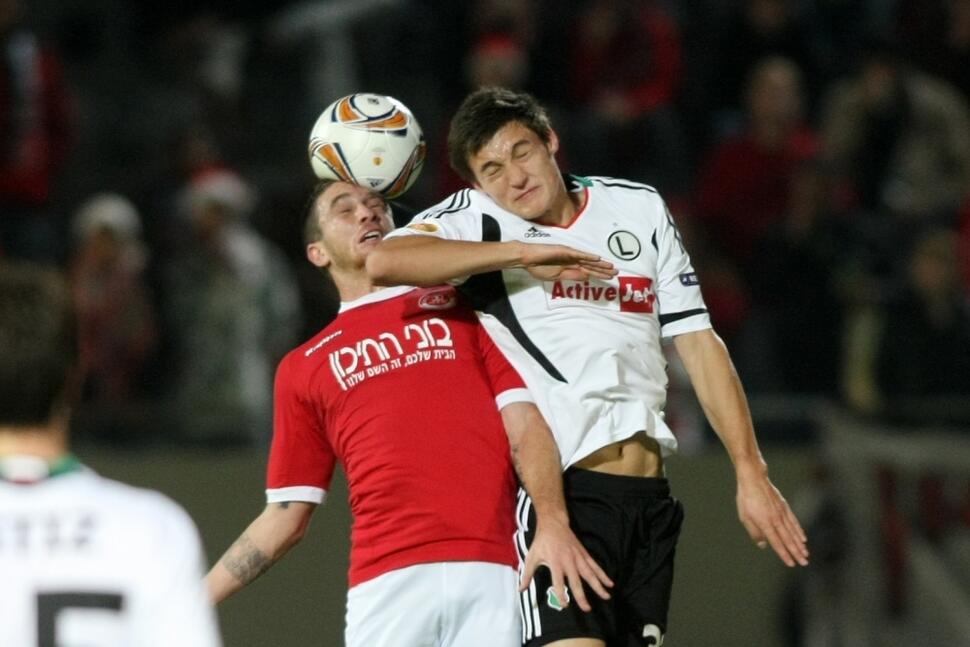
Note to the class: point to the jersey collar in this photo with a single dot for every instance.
(373, 297)
(575, 184)
(26, 470)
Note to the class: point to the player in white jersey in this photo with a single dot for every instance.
(592, 348)
(83, 560)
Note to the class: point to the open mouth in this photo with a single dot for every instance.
(372, 235)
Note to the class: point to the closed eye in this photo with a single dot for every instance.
(491, 170)
(522, 151)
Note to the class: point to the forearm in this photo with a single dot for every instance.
(721, 395)
(537, 464)
(266, 539)
(423, 260)
(761, 508)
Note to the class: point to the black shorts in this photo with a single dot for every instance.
(630, 526)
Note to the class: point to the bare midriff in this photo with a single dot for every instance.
(638, 455)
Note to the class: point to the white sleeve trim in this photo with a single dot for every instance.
(305, 493)
(411, 231)
(699, 321)
(506, 398)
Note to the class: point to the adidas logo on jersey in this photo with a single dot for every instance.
(633, 294)
(532, 232)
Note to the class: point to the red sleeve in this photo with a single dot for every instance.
(501, 375)
(301, 459)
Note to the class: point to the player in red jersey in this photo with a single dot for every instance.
(408, 392)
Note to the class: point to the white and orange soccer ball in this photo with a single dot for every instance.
(368, 139)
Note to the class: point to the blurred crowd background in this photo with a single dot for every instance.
(815, 154)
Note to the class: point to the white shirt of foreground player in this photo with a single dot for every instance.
(595, 366)
(90, 561)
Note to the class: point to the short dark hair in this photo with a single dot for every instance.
(38, 344)
(311, 222)
(482, 114)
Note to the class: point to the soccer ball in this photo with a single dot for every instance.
(368, 139)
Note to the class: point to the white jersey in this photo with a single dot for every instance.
(88, 561)
(589, 350)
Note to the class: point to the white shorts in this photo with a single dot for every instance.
(442, 604)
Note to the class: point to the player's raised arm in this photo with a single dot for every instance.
(429, 260)
(762, 509)
(274, 532)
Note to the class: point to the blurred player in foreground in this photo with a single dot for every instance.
(409, 393)
(83, 560)
(592, 350)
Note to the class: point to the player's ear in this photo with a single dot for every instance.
(474, 181)
(317, 255)
(553, 144)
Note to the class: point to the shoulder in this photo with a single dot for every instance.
(617, 185)
(626, 198)
(294, 359)
(460, 203)
(142, 506)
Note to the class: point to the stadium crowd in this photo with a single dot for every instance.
(816, 156)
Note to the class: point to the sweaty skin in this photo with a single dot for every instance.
(638, 455)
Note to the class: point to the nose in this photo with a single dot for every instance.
(365, 214)
(517, 176)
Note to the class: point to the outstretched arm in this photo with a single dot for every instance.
(536, 460)
(761, 507)
(428, 260)
(275, 531)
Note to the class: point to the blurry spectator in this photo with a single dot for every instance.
(116, 320)
(623, 72)
(900, 138)
(744, 185)
(758, 29)
(34, 132)
(497, 59)
(325, 33)
(725, 290)
(517, 18)
(234, 310)
(797, 310)
(916, 347)
(211, 51)
(963, 247)
(115, 315)
(937, 33)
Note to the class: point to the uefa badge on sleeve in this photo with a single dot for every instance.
(553, 601)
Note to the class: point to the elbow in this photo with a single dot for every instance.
(297, 534)
(294, 535)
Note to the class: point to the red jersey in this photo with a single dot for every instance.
(404, 389)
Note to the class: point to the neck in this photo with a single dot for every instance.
(352, 285)
(45, 442)
(564, 207)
